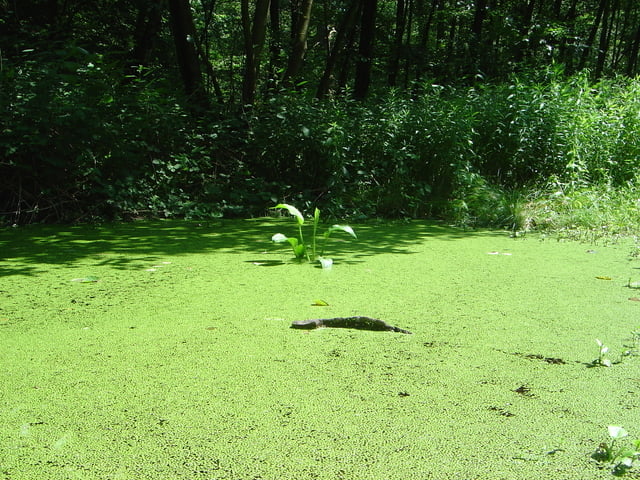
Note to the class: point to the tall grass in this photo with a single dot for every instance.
(484, 155)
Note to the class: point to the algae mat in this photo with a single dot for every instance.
(163, 350)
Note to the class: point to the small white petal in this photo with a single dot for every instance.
(279, 238)
(326, 263)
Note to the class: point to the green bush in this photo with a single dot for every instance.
(78, 144)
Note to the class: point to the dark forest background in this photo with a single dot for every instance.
(477, 111)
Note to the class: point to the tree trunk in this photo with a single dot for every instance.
(523, 44)
(396, 52)
(479, 15)
(632, 61)
(254, 36)
(184, 36)
(342, 35)
(408, 52)
(603, 44)
(145, 36)
(365, 49)
(300, 32)
(275, 43)
(592, 34)
(424, 32)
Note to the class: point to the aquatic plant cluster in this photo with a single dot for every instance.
(300, 249)
(620, 459)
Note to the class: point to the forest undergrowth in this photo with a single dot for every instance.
(542, 152)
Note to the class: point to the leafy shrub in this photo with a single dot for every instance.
(77, 143)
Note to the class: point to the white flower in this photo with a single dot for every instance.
(326, 263)
(279, 238)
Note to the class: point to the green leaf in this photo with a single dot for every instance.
(344, 228)
(319, 303)
(298, 250)
(292, 210)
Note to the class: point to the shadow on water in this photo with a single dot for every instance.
(25, 250)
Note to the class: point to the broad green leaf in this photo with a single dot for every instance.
(292, 211)
(344, 228)
(298, 250)
(293, 241)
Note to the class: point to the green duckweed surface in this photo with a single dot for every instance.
(179, 363)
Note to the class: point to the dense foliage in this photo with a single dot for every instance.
(117, 109)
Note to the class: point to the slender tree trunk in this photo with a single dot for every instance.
(524, 44)
(603, 44)
(632, 61)
(365, 49)
(394, 63)
(475, 53)
(346, 62)
(254, 36)
(424, 35)
(342, 35)
(408, 51)
(568, 45)
(184, 36)
(617, 33)
(275, 43)
(146, 34)
(592, 34)
(204, 48)
(300, 32)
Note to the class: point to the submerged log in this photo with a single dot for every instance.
(358, 322)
